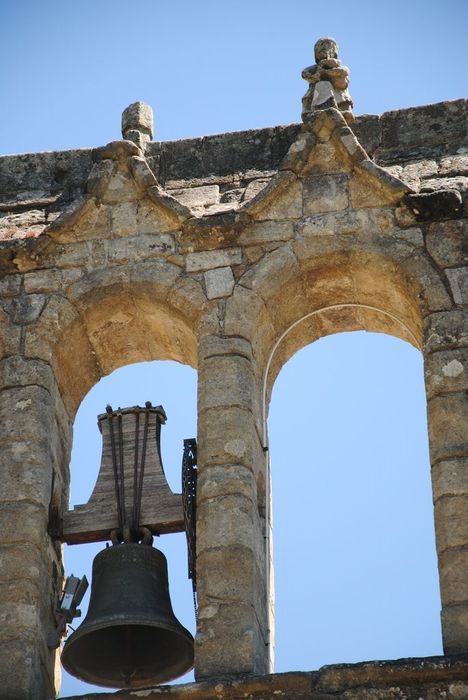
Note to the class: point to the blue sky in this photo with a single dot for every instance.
(354, 549)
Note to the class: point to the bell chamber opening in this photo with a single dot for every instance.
(354, 549)
(130, 637)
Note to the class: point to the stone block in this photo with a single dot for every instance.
(10, 285)
(367, 129)
(195, 197)
(21, 618)
(363, 222)
(210, 259)
(215, 658)
(26, 468)
(448, 426)
(350, 143)
(391, 185)
(88, 222)
(445, 241)
(453, 164)
(362, 195)
(23, 522)
(298, 154)
(446, 330)
(455, 629)
(264, 232)
(230, 574)
(20, 670)
(272, 272)
(453, 573)
(323, 122)
(159, 216)
(216, 481)
(92, 289)
(245, 313)
(42, 281)
(283, 205)
(422, 168)
(26, 308)
(214, 345)
(228, 521)
(19, 371)
(22, 561)
(21, 592)
(230, 435)
(446, 371)
(327, 158)
(434, 295)
(458, 280)
(10, 336)
(210, 321)
(325, 193)
(412, 235)
(219, 282)
(138, 116)
(450, 478)
(154, 279)
(451, 520)
(99, 177)
(120, 188)
(85, 254)
(187, 296)
(371, 186)
(228, 381)
(423, 126)
(76, 373)
(25, 413)
(141, 247)
(254, 187)
(123, 219)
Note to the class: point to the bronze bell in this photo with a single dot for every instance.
(130, 637)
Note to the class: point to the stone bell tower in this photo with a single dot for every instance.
(228, 253)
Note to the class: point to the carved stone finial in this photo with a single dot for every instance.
(328, 82)
(137, 124)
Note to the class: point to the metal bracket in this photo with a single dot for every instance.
(189, 498)
(72, 595)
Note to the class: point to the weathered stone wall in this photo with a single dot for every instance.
(229, 254)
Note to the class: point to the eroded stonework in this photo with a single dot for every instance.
(228, 253)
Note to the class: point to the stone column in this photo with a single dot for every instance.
(232, 620)
(446, 362)
(34, 441)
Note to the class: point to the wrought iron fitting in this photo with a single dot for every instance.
(189, 498)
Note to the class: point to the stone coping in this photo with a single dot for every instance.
(406, 133)
(425, 678)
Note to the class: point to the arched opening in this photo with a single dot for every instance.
(174, 386)
(355, 561)
(109, 319)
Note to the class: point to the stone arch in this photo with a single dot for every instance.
(293, 300)
(288, 301)
(114, 317)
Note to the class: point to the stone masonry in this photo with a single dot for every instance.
(229, 253)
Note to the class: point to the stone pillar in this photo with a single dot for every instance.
(34, 440)
(446, 362)
(232, 620)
